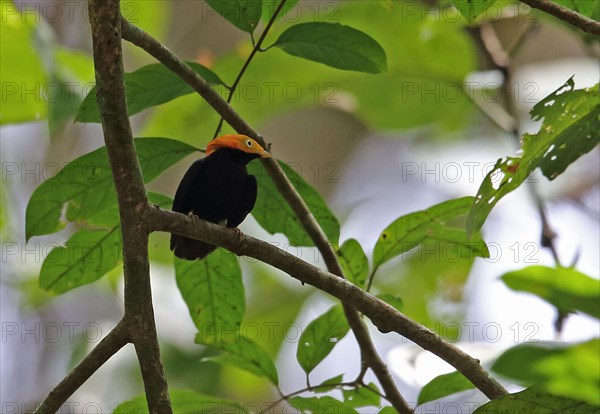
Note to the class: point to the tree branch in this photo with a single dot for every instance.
(567, 15)
(106, 348)
(368, 352)
(384, 317)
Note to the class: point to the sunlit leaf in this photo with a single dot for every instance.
(276, 216)
(86, 184)
(561, 369)
(146, 87)
(589, 8)
(533, 400)
(471, 9)
(321, 405)
(320, 337)
(569, 130)
(567, 289)
(335, 45)
(362, 396)
(411, 230)
(354, 262)
(444, 385)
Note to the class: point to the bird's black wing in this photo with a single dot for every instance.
(184, 194)
(247, 203)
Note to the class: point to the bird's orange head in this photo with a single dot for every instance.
(238, 142)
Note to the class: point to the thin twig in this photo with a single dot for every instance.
(106, 348)
(284, 186)
(384, 317)
(567, 15)
(255, 49)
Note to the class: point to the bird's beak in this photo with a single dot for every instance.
(265, 154)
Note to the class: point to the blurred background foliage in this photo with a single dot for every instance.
(348, 134)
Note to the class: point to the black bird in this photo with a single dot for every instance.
(217, 188)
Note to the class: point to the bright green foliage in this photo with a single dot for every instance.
(86, 185)
(444, 385)
(183, 402)
(532, 400)
(23, 79)
(330, 384)
(393, 301)
(354, 262)
(335, 45)
(87, 256)
(589, 8)
(276, 216)
(362, 396)
(146, 87)
(213, 291)
(560, 369)
(243, 14)
(569, 130)
(471, 9)
(320, 337)
(565, 288)
(321, 405)
(412, 230)
(241, 352)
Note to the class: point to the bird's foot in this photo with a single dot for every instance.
(193, 218)
(239, 240)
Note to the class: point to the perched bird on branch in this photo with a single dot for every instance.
(218, 189)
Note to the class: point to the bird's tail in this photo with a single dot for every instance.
(190, 249)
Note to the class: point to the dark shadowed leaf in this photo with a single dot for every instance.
(444, 385)
(427, 226)
(558, 368)
(276, 216)
(86, 185)
(146, 87)
(569, 130)
(243, 14)
(320, 337)
(354, 262)
(183, 402)
(533, 400)
(335, 45)
(567, 289)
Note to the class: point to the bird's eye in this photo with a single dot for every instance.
(249, 143)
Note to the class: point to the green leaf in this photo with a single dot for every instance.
(565, 288)
(394, 301)
(566, 370)
(335, 45)
(532, 400)
(275, 215)
(471, 9)
(362, 396)
(330, 384)
(269, 7)
(86, 184)
(241, 353)
(444, 385)
(321, 405)
(354, 262)
(569, 130)
(320, 337)
(243, 14)
(183, 402)
(86, 257)
(213, 290)
(414, 229)
(146, 87)
(24, 82)
(588, 8)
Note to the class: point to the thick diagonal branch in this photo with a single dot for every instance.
(383, 316)
(284, 186)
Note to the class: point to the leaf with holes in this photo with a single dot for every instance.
(86, 186)
(334, 45)
(569, 130)
(354, 262)
(146, 87)
(565, 288)
(243, 14)
(444, 385)
(241, 353)
(213, 291)
(568, 370)
(429, 226)
(275, 215)
(320, 337)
